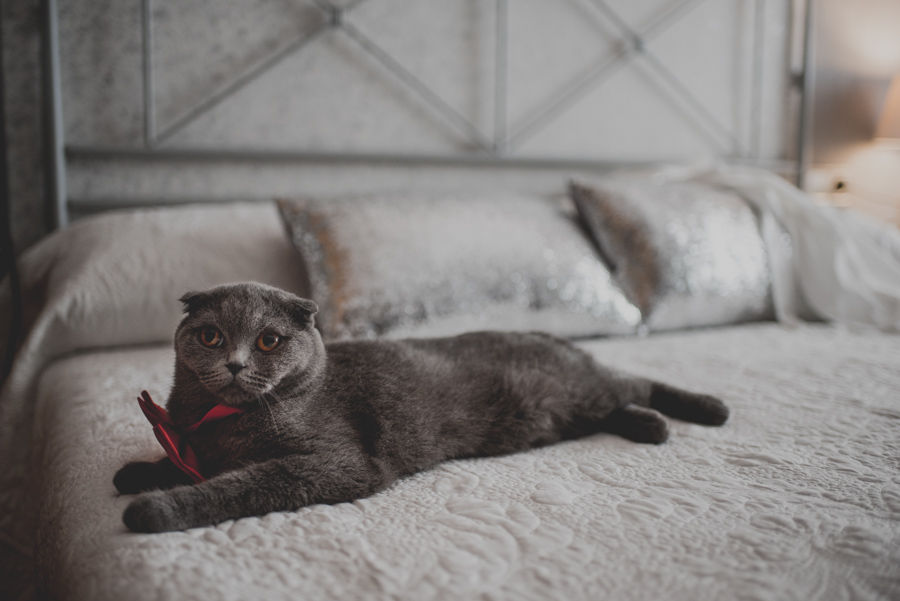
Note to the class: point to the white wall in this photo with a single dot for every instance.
(857, 53)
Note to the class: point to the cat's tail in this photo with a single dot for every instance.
(688, 406)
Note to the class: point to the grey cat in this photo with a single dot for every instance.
(337, 422)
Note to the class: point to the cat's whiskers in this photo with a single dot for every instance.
(213, 377)
(263, 401)
(252, 379)
(257, 380)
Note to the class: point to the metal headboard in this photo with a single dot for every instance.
(494, 148)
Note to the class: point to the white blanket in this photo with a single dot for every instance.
(838, 266)
(796, 497)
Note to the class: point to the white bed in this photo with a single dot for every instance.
(796, 497)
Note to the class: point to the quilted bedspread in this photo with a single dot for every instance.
(796, 497)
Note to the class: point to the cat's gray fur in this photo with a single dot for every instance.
(337, 422)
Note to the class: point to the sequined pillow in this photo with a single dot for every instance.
(686, 254)
(396, 266)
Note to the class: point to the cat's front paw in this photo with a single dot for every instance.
(135, 477)
(153, 512)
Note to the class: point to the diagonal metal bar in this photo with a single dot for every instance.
(575, 92)
(324, 5)
(147, 66)
(329, 6)
(664, 72)
(692, 101)
(415, 85)
(670, 17)
(620, 23)
(245, 78)
(501, 82)
(590, 80)
(239, 83)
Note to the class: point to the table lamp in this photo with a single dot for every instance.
(889, 124)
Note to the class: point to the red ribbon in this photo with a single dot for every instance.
(174, 439)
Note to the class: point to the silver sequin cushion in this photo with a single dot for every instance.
(686, 254)
(396, 266)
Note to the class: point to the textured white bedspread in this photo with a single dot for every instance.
(797, 497)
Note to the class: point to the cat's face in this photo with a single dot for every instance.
(242, 340)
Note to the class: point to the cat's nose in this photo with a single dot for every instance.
(234, 368)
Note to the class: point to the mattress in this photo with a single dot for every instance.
(796, 497)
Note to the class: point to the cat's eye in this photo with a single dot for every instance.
(211, 337)
(267, 342)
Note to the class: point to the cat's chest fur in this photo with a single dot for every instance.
(240, 440)
(402, 406)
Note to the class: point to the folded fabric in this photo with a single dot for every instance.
(837, 265)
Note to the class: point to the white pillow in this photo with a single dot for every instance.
(435, 265)
(687, 254)
(114, 279)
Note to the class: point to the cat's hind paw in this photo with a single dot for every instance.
(639, 424)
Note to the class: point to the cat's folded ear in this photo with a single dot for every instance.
(194, 301)
(303, 310)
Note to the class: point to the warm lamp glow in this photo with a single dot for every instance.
(889, 125)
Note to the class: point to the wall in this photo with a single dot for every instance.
(857, 53)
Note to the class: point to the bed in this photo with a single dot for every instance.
(797, 496)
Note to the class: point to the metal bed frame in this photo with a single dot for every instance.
(493, 149)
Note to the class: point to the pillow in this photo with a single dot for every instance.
(686, 254)
(114, 279)
(401, 265)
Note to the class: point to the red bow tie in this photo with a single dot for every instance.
(174, 439)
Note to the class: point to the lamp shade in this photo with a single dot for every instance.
(889, 124)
